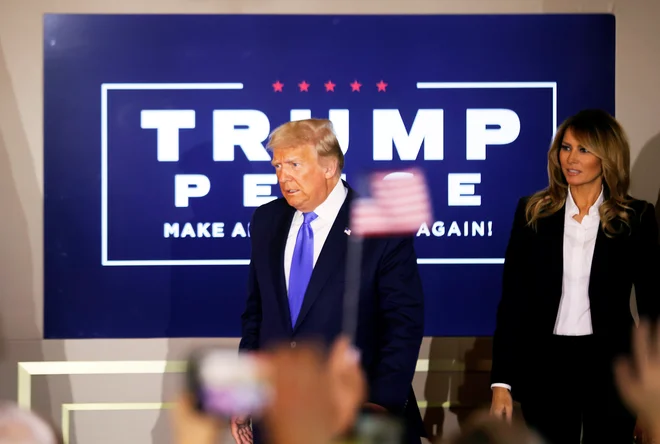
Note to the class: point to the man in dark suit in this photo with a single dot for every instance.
(297, 273)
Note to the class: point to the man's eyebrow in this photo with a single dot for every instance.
(288, 160)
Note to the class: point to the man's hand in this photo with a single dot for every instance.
(192, 427)
(241, 430)
(347, 382)
(502, 404)
(638, 377)
(315, 399)
(300, 412)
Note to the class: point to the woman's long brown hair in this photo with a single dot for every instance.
(602, 135)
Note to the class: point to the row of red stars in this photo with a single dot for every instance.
(329, 86)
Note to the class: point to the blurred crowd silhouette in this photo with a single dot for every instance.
(317, 398)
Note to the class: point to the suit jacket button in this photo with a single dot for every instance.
(293, 344)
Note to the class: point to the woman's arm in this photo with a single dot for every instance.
(509, 309)
(646, 271)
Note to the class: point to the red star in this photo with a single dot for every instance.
(329, 86)
(277, 86)
(304, 86)
(381, 86)
(355, 86)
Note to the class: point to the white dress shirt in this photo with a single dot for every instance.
(574, 314)
(327, 213)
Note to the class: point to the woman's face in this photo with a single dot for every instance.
(579, 165)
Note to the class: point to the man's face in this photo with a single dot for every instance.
(304, 181)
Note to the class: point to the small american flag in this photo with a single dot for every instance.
(399, 204)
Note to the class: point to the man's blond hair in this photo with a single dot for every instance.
(318, 133)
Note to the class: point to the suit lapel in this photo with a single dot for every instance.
(553, 226)
(278, 244)
(599, 269)
(331, 259)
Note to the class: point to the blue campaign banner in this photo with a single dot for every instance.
(154, 157)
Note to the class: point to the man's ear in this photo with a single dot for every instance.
(330, 167)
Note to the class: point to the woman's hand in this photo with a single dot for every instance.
(502, 404)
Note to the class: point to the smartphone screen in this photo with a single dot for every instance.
(379, 429)
(226, 384)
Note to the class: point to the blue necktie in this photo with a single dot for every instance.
(302, 265)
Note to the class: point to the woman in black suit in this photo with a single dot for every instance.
(576, 250)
